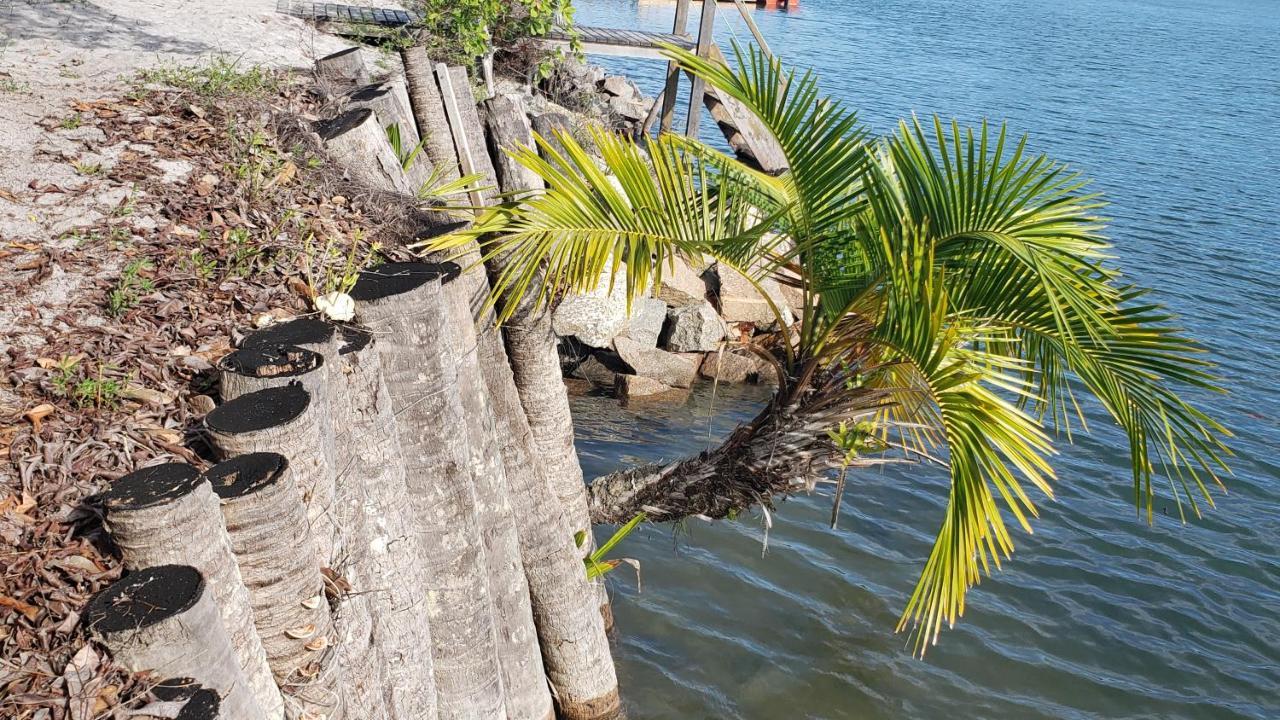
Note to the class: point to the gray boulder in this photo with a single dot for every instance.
(735, 366)
(633, 386)
(645, 324)
(740, 301)
(668, 368)
(594, 318)
(618, 86)
(682, 285)
(693, 328)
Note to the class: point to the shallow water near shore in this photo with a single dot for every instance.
(1171, 107)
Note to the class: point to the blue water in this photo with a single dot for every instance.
(1174, 108)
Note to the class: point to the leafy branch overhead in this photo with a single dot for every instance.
(958, 297)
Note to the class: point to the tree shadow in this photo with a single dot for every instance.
(87, 25)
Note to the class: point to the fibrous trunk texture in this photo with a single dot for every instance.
(575, 647)
(781, 452)
(343, 67)
(402, 305)
(387, 571)
(356, 141)
(167, 514)
(389, 101)
(286, 420)
(267, 523)
(521, 661)
(164, 619)
(428, 109)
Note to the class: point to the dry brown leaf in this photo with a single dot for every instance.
(27, 609)
(285, 175)
(37, 414)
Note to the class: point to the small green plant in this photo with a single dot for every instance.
(71, 122)
(331, 268)
(219, 77)
(130, 287)
(128, 205)
(852, 441)
(242, 253)
(199, 264)
(9, 85)
(87, 169)
(474, 28)
(406, 156)
(598, 563)
(82, 390)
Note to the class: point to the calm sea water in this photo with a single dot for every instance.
(1173, 107)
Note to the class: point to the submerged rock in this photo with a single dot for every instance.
(735, 366)
(631, 386)
(669, 368)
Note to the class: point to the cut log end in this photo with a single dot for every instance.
(271, 361)
(398, 278)
(151, 486)
(259, 410)
(144, 598)
(246, 474)
(344, 65)
(344, 123)
(301, 332)
(203, 705)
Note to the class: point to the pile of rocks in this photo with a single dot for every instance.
(586, 88)
(691, 326)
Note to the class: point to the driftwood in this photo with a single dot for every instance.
(164, 619)
(360, 145)
(402, 304)
(344, 66)
(267, 523)
(167, 514)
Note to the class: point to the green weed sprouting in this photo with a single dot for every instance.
(598, 563)
(85, 391)
(219, 77)
(130, 287)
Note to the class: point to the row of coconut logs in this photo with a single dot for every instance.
(379, 540)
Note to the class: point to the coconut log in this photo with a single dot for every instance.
(167, 514)
(357, 143)
(382, 635)
(267, 524)
(571, 630)
(403, 306)
(523, 675)
(285, 419)
(428, 111)
(345, 66)
(389, 101)
(164, 619)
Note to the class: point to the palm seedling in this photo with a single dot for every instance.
(958, 296)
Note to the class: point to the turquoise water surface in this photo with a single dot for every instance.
(1173, 107)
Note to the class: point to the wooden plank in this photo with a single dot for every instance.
(672, 86)
(744, 131)
(465, 160)
(698, 88)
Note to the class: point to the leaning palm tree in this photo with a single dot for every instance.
(958, 297)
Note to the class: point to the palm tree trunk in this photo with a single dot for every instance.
(168, 514)
(403, 306)
(523, 675)
(428, 110)
(165, 618)
(781, 452)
